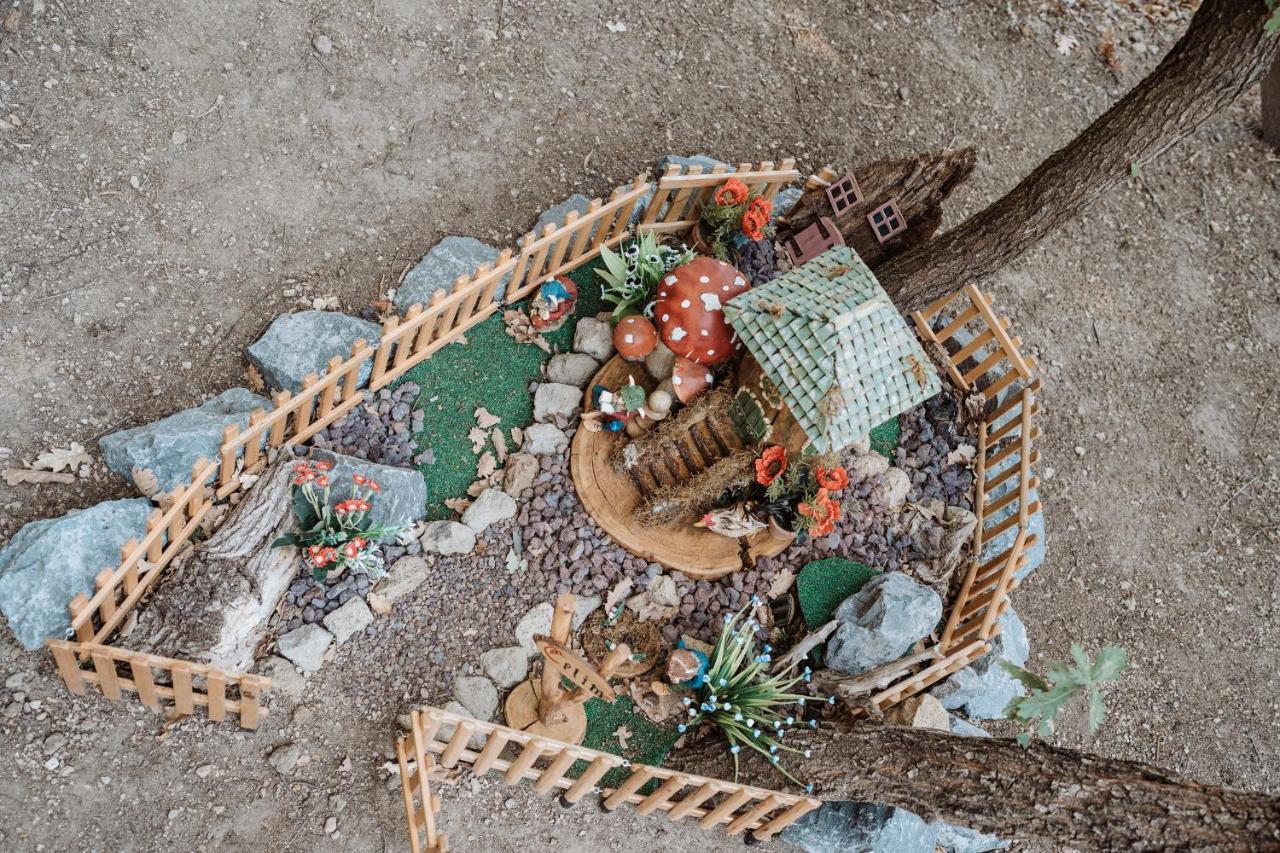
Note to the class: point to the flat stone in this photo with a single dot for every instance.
(961, 726)
(405, 575)
(881, 621)
(536, 621)
(478, 695)
(983, 689)
(593, 337)
(785, 200)
(845, 827)
(519, 473)
(553, 399)
(477, 740)
(572, 368)
(440, 267)
(285, 679)
(50, 561)
(447, 537)
(922, 712)
(285, 758)
(349, 619)
(305, 646)
(582, 608)
(491, 506)
(403, 496)
(576, 203)
(170, 446)
(507, 667)
(297, 344)
(544, 440)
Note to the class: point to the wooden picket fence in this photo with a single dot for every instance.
(683, 190)
(421, 807)
(574, 771)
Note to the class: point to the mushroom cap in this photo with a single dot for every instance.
(689, 379)
(690, 309)
(634, 337)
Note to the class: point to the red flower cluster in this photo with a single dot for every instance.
(771, 464)
(321, 555)
(824, 512)
(351, 505)
(311, 472)
(733, 191)
(756, 218)
(367, 482)
(353, 548)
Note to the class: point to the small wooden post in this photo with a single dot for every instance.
(1271, 106)
(551, 697)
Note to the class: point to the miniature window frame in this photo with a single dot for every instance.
(887, 221)
(844, 194)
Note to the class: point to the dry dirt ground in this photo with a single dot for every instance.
(173, 175)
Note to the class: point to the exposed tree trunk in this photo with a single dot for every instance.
(214, 603)
(1076, 800)
(1224, 53)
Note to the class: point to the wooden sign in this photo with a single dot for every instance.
(574, 668)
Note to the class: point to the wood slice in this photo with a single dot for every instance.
(611, 499)
(522, 713)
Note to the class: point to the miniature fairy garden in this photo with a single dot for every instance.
(715, 467)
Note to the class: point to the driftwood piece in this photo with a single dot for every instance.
(920, 184)
(214, 602)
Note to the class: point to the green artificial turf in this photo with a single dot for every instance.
(823, 584)
(884, 438)
(491, 370)
(649, 742)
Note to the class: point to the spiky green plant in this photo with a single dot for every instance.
(752, 707)
(629, 278)
(1047, 696)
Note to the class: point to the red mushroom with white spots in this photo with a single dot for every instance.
(634, 337)
(690, 309)
(689, 379)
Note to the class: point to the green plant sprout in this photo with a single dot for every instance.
(752, 707)
(629, 279)
(1047, 696)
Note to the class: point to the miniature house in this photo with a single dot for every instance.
(830, 357)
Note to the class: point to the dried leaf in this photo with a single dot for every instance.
(145, 480)
(477, 438)
(458, 505)
(617, 596)
(518, 326)
(1065, 44)
(782, 582)
(486, 466)
(517, 437)
(623, 734)
(60, 459)
(477, 487)
(254, 378)
(485, 420)
(515, 563)
(962, 454)
(499, 444)
(14, 476)
(1107, 50)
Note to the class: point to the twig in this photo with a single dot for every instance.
(1258, 417)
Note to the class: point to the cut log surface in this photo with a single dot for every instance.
(213, 604)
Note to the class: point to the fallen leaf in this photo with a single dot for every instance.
(477, 487)
(515, 562)
(485, 420)
(458, 505)
(499, 444)
(486, 466)
(517, 437)
(477, 438)
(254, 377)
(518, 326)
(1065, 44)
(617, 596)
(145, 480)
(962, 454)
(61, 458)
(1107, 50)
(623, 734)
(781, 583)
(14, 476)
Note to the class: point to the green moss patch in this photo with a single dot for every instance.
(649, 742)
(884, 438)
(823, 584)
(491, 370)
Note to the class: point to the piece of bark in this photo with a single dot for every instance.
(919, 184)
(213, 604)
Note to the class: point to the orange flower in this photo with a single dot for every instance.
(351, 550)
(303, 473)
(771, 464)
(753, 224)
(322, 481)
(734, 191)
(823, 513)
(760, 206)
(324, 466)
(373, 486)
(834, 479)
(359, 479)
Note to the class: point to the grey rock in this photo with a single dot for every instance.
(961, 839)
(961, 726)
(552, 399)
(349, 619)
(983, 689)
(576, 203)
(593, 337)
(478, 695)
(477, 740)
(849, 827)
(545, 440)
(285, 757)
(305, 646)
(405, 575)
(286, 681)
(536, 621)
(519, 472)
(440, 267)
(881, 621)
(49, 562)
(492, 506)
(403, 496)
(583, 607)
(170, 446)
(506, 666)
(297, 344)
(572, 368)
(785, 200)
(447, 537)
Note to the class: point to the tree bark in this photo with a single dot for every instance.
(1224, 53)
(1074, 799)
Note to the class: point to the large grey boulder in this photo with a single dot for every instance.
(403, 496)
(48, 562)
(297, 344)
(881, 621)
(593, 337)
(983, 689)
(576, 203)
(849, 827)
(440, 267)
(477, 694)
(170, 446)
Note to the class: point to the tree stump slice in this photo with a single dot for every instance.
(612, 498)
(521, 711)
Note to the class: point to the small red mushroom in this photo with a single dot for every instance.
(689, 379)
(634, 337)
(690, 309)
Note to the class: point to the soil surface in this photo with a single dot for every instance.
(175, 175)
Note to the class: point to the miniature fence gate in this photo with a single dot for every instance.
(545, 762)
